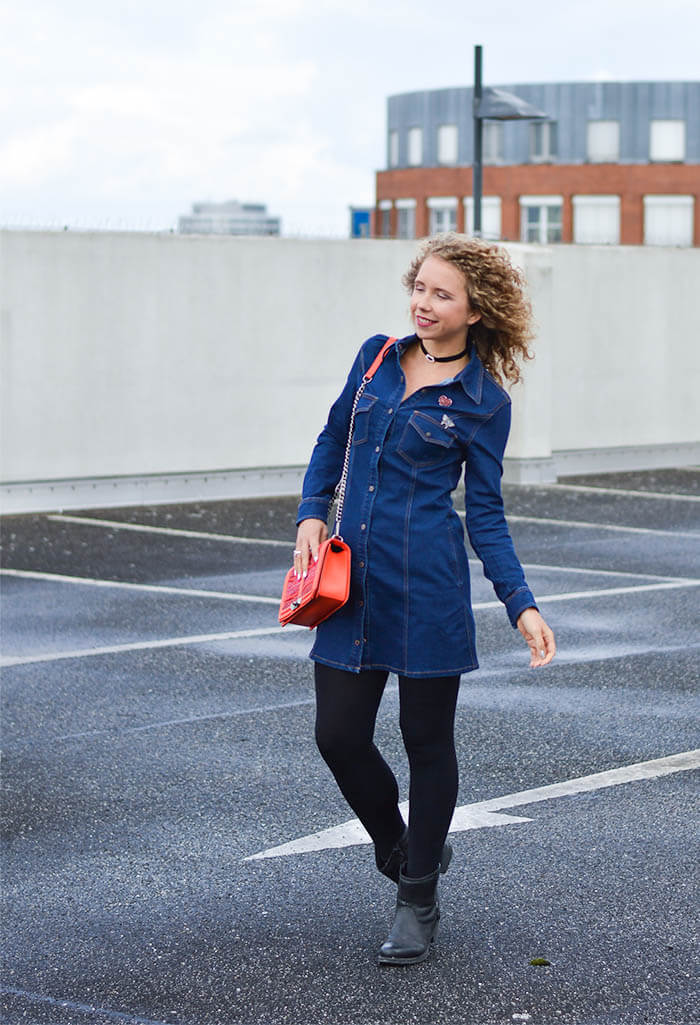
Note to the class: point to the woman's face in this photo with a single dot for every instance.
(440, 307)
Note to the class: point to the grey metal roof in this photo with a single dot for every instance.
(571, 104)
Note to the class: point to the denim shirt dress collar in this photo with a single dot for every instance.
(409, 609)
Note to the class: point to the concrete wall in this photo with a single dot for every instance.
(626, 346)
(133, 357)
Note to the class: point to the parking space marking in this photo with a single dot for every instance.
(584, 525)
(594, 572)
(33, 574)
(479, 814)
(588, 489)
(232, 539)
(169, 642)
(12, 660)
(604, 592)
(60, 578)
(145, 528)
(187, 721)
(517, 694)
(103, 1012)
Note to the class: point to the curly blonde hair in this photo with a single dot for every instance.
(496, 290)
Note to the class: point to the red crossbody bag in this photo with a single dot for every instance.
(325, 589)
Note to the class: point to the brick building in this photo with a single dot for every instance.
(615, 163)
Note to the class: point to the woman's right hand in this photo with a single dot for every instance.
(309, 537)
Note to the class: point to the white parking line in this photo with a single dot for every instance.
(605, 592)
(188, 721)
(60, 578)
(594, 572)
(232, 539)
(128, 585)
(585, 525)
(144, 528)
(13, 660)
(168, 642)
(589, 490)
(484, 813)
(92, 1009)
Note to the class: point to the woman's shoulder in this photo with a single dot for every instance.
(371, 348)
(373, 344)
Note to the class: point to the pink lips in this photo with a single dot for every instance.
(423, 322)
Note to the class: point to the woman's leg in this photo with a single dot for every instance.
(427, 725)
(346, 712)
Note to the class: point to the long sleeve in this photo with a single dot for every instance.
(485, 517)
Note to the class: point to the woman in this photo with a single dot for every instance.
(434, 406)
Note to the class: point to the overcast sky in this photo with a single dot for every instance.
(121, 114)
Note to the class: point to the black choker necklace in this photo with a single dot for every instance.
(442, 359)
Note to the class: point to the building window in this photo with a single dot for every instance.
(490, 217)
(492, 142)
(447, 144)
(667, 140)
(543, 141)
(540, 218)
(597, 220)
(668, 220)
(603, 142)
(385, 218)
(443, 213)
(406, 218)
(415, 146)
(393, 149)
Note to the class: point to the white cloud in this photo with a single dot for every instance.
(132, 110)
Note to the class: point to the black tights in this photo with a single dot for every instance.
(346, 712)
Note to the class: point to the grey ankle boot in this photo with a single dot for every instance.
(398, 859)
(416, 921)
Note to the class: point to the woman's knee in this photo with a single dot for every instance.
(427, 717)
(337, 744)
(346, 710)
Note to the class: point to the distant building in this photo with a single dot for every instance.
(230, 218)
(615, 163)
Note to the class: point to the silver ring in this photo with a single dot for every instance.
(297, 551)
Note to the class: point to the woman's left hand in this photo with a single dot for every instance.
(539, 637)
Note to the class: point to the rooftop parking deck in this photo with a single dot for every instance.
(158, 733)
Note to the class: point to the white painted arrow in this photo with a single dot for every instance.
(353, 832)
(486, 813)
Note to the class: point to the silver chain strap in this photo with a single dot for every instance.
(339, 496)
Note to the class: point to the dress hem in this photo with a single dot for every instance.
(392, 669)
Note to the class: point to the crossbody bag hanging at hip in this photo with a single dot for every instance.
(325, 589)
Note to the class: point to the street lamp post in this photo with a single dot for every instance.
(492, 105)
(477, 164)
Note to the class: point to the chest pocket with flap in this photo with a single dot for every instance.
(424, 441)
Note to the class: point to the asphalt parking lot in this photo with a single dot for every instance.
(158, 735)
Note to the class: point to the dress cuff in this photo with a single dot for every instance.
(517, 602)
(313, 508)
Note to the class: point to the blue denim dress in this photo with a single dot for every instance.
(409, 609)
